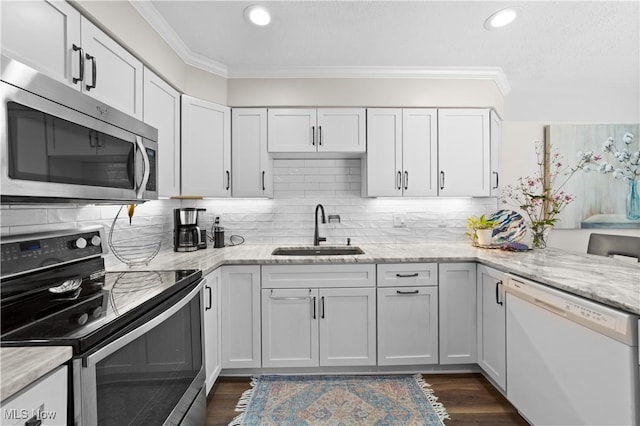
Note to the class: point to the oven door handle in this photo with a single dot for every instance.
(102, 353)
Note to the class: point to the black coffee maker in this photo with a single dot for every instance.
(186, 232)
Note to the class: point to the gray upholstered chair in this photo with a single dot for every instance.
(610, 245)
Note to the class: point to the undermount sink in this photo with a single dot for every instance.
(317, 251)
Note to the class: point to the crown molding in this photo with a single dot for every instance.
(157, 22)
(495, 74)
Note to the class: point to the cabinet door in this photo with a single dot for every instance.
(289, 328)
(41, 34)
(292, 130)
(206, 148)
(457, 293)
(240, 316)
(496, 152)
(463, 152)
(491, 331)
(347, 326)
(212, 327)
(250, 161)
(384, 152)
(47, 395)
(407, 325)
(161, 109)
(419, 152)
(341, 130)
(115, 73)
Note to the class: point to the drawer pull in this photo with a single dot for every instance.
(415, 274)
(408, 292)
(271, 296)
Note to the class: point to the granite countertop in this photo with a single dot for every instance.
(21, 366)
(613, 282)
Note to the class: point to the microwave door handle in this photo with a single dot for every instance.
(147, 166)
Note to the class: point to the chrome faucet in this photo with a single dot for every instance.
(317, 239)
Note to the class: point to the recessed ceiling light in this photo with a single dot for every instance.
(501, 18)
(257, 15)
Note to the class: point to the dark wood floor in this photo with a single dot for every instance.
(469, 398)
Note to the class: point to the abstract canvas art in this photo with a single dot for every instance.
(600, 199)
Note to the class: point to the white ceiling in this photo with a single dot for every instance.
(569, 44)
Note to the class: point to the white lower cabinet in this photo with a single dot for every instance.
(407, 313)
(457, 295)
(240, 316)
(347, 326)
(318, 327)
(211, 328)
(307, 326)
(491, 330)
(290, 328)
(43, 402)
(407, 325)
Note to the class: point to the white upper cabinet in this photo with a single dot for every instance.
(111, 74)
(206, 148)
(292, 130)
(299, 130)
(250, 160)
(161, 110)
(42, 35)
(419, 152)
(341, 130)
(496, 152)
(402, 152)
(53, 38)
(464, 152)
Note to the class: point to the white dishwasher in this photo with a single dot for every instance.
(570, 361)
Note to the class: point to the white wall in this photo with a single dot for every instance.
(370, 92)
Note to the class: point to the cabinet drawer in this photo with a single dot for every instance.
(407, 274)
(318, 276)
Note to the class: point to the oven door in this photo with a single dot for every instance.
(53, 151)
(151, 375)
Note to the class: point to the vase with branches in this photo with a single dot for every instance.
(541, 196)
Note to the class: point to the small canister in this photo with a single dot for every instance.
(218, 237)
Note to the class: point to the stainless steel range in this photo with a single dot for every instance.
(136, 336)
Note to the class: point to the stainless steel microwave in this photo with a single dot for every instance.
(60, 145)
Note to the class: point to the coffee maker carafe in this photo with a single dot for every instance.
(186, 233)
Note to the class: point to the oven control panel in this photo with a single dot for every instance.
(36, 251)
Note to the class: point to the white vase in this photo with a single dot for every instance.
(484, 236)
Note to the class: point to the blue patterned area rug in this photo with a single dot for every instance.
(339, 400)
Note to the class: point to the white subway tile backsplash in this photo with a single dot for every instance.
(287, 219)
